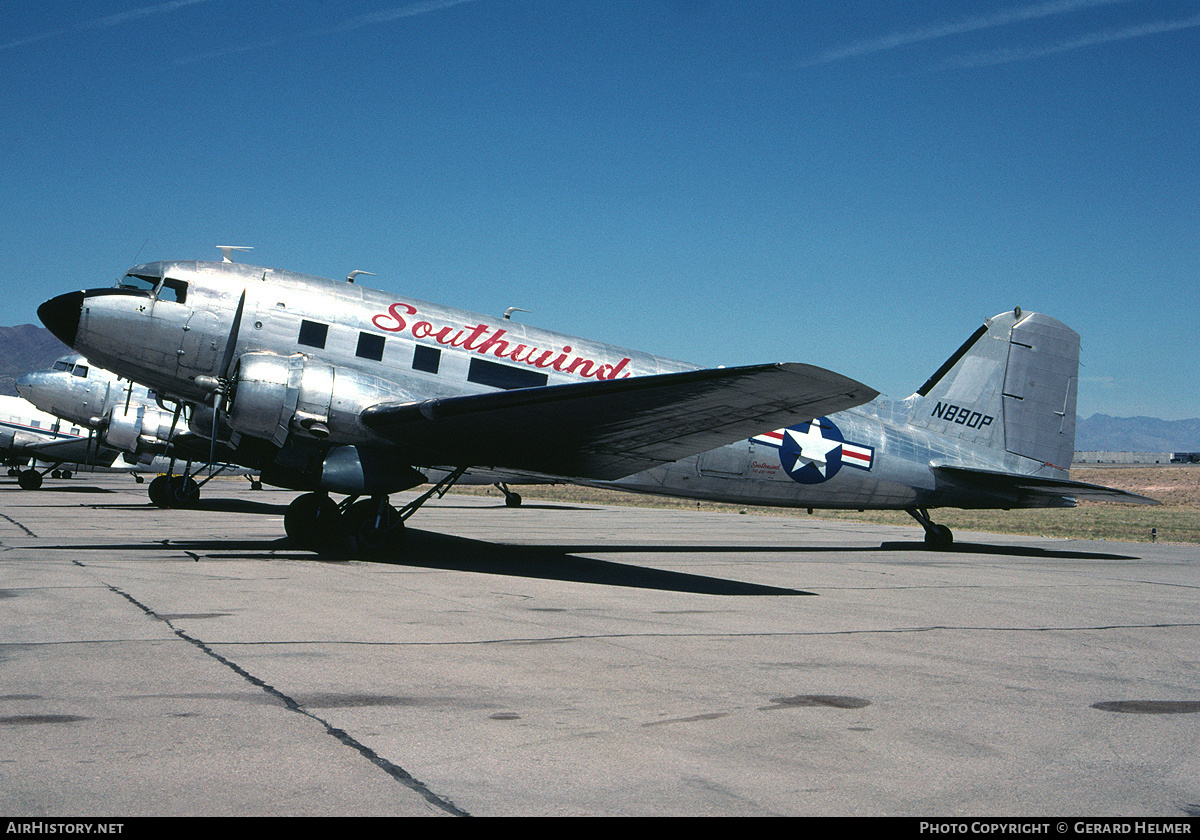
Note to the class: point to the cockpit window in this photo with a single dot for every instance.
(175, 290)
(162, 288)
(62, 365)
(80, 370)
(138, 281)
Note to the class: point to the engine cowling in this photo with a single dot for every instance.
(360, 471)
(269, 391)
(137, 429)
(275, 396)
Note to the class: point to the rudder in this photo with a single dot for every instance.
(1012, 386)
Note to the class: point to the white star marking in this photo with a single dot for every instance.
(814, 448)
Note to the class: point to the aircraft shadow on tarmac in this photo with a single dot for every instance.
(426, 549)
(1008, 551)
(62, 488)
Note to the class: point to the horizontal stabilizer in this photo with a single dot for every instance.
(1032, 485)
(614, 428)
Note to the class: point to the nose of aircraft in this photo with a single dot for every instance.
(24, 384)
(61, 316)
(29, 385)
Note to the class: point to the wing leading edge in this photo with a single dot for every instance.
(75, 451)
(606, 430)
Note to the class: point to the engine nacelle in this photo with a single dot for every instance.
(137, 429)
(361, 471)
(274, 396)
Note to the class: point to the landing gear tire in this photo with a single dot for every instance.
(173, 491)
(312, 520)
(510, 498)
(366, 531)
(158, 491)
(29, 480)
(939, 536)
(182, 491)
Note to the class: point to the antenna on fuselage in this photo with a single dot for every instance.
(227, 251)
(508, 312)
(350, 277)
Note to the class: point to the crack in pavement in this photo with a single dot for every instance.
(395, 771)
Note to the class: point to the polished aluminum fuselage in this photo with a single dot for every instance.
(326, 350)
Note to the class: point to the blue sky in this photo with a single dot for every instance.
(855, 185)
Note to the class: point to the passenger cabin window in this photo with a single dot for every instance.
(313, 334)
(483, 372)
(370, 346)
(426, 359)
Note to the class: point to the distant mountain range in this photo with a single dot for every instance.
(1136, 434)
(26, 348)
(29, 347)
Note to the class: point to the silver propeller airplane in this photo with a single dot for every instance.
(330, 387)
(127, 418)
(29, 435)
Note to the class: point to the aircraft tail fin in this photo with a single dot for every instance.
(1012, 387)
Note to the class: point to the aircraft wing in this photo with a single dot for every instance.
(73, 451)
(1031, 485)
(614, 428)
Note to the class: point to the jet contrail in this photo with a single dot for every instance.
(1025, 53)
(370, 19)
(135, 14)
(410, 10)
(105, 22)
(930, 33)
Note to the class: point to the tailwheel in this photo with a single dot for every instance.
(510, 498)
(312, 520)
(936, 536)
(372, 525)
(939, 536)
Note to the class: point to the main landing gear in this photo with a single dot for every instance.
(31, 479)
(361, 526)
(181, 491)
(174, 491)
(936, 536)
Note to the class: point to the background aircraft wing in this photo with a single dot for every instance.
(1031, 485)
(74, 451)
(610, 429)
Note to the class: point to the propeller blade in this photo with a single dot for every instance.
(231, 344)
(226, 364)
